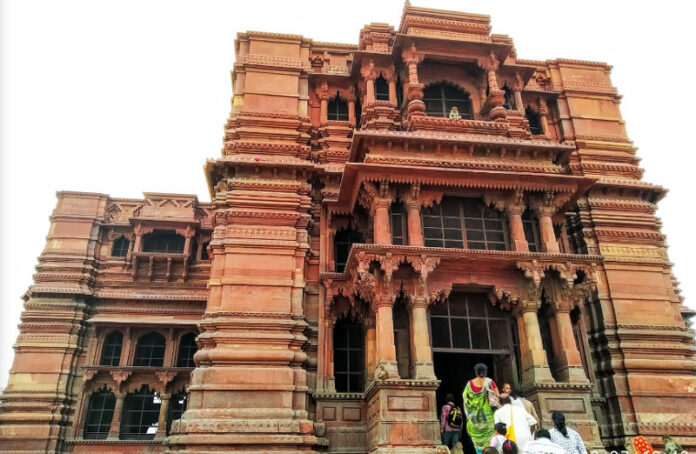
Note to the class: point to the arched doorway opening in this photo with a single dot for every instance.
(465, 330)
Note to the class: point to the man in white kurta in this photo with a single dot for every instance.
(522, 422)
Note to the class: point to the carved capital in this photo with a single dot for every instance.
(524, 306)
(411, 56)
(88, 375)
(368, 70)
(165, 377)
(323, 91)
(120, 376)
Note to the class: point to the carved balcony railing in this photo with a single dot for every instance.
(156, 266)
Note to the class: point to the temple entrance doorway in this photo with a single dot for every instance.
(464, 331)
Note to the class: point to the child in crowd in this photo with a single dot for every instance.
(499, 437)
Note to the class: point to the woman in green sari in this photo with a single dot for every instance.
(478, 395)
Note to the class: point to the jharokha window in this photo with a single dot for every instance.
(99, 414)
(150, 350)
(440, 99)
(187, 348)
(164, 242)
(120, 248)
(463, 223)
(381, 89)
(140, 415)
(349, 356)
(343, 240)
(111, 350)
(338, 109)
(534, 121)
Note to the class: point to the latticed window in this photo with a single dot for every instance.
(150, 350)
(534, 121)
(381, 89)
(531, 231)
(338, 109)
(177, 407)
(459, 221)
(111, 350)
(343, 240)
(140, 415)
(469, 323)
(399, 228)
(164, 242)
(99, 414)
(187, 348)
(349, 357)
(120, 248)
(439, 100)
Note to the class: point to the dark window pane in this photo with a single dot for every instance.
(187, 348)
(438, 309)
(140, 416)
(381, 89)
(349, 354)
(150, 350)
(474, 235)
(494, 225)
(476, 245)
(111, 351)
(451, 234)
(458, 307)
(499, 334)
(473, 224)
(454, 244)
(452, 223)
(99, 415)
(434, 243)
(460, 333)
(497, 246)
(341, 361)
(177, 406)
(355, 382)
(337, 110)
(479, 334)
(164, 242)
(343, 240)
(120, 248)
(432, 221)
(356, 359)
(341, 381)
(440, 332)
(495, 236)
(477, 308)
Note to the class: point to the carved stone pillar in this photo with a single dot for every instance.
(535, 367)
(412, 57)
(392, 91)
(381, 230)
(329, 366)
(567, 355)
(162, 420)
(517, 90)
(369, 74)
(543, 119)
(386, 351)
(421, 353)
(370, 348)
(518, 241)
(323, 93)
(118, 410)
(548, 237)
(413, 203)
(351, 110)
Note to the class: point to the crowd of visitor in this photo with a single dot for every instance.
(502, 422)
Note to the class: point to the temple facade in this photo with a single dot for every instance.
(383, 216)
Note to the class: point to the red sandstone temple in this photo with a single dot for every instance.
(384, 216)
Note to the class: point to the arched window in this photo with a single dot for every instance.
(140, 415)
(120, 248)
(531, 231)
(338, 109)
(164, 242)
(204, 251)
(111, 350)
(99, 414)
(349, 357)
(187, 348)
(343, 240)
(459, 221)
(440, 99)
(177, 407)
(150, 350)
(381, 89)
(399, 227)
(534, 121)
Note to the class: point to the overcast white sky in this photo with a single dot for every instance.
(121, 97)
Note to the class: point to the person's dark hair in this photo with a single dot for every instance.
(510, 447)
(480, 369)
(501, 428)
(489, 450)
(560, 422)
(543, 434)
(505, 398)
(517, 392)
(449, 397)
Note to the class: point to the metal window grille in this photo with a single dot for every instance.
(150, 350)
(399, 228)
(343, 240)
(337, 109)
(440, 98)
(120, 248)
(187, 348)
(111, 350)
(349, 357)
(99, 415)
(531, 231)
(140, 415)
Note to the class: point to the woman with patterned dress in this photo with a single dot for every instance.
(479, 414)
